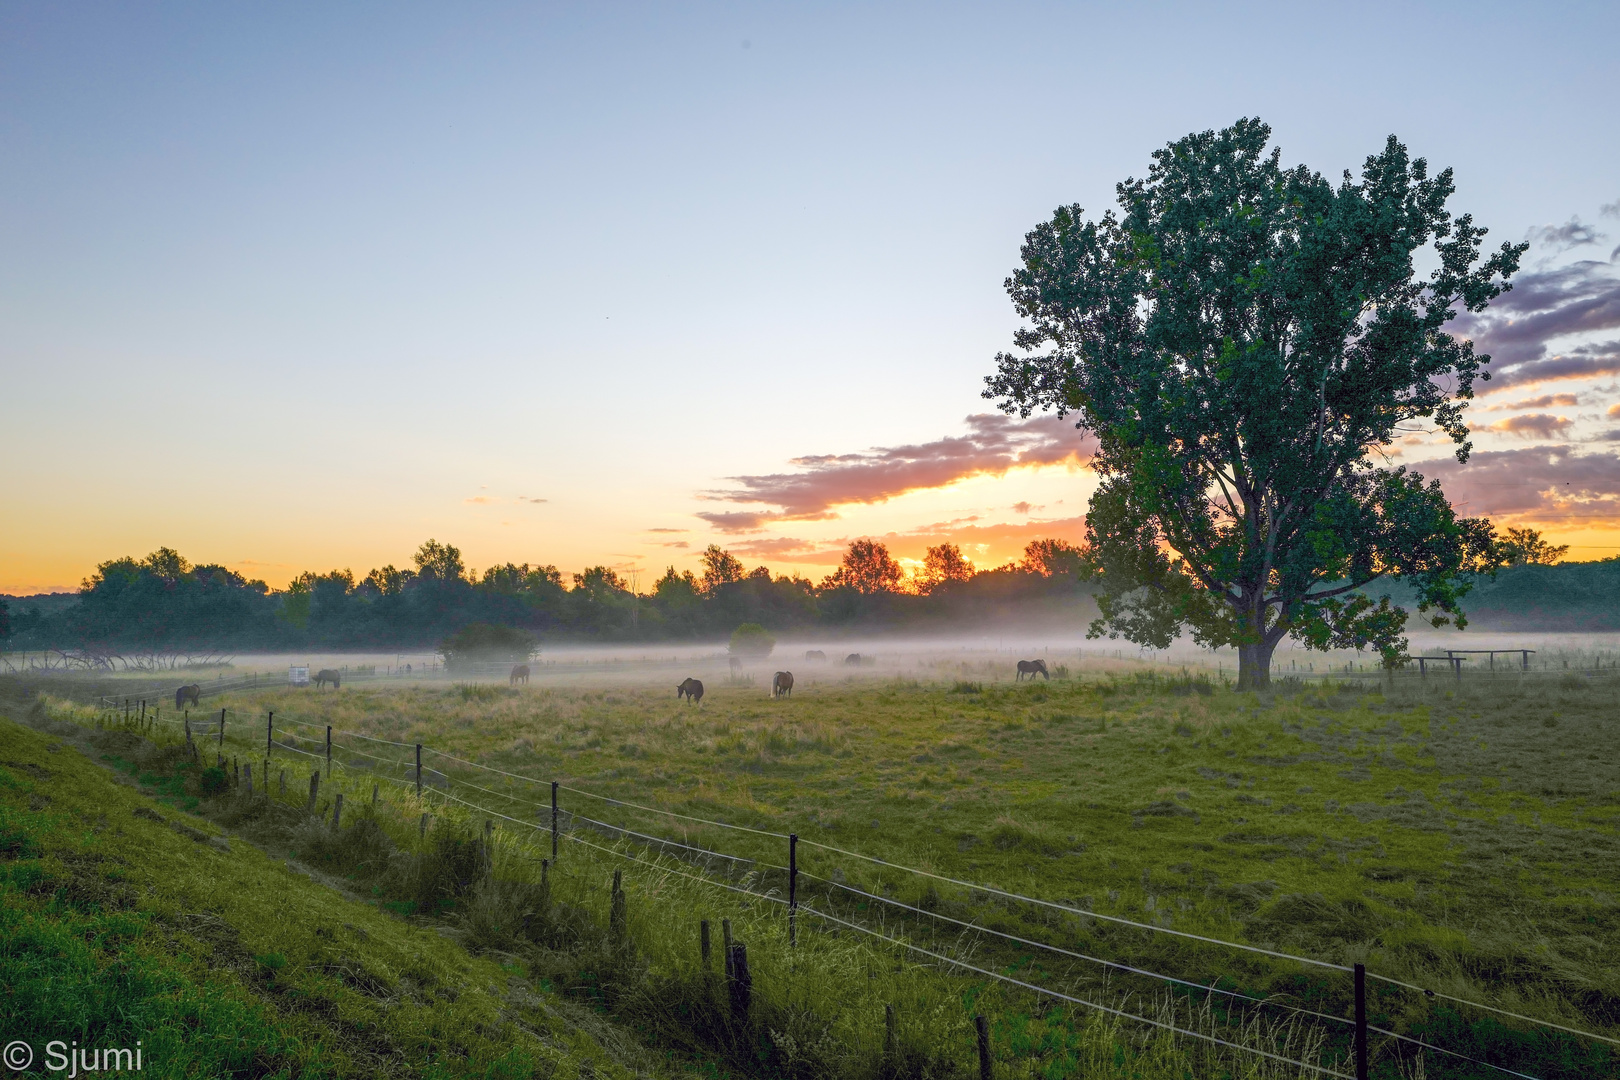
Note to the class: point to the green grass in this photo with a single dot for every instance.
(124, 921)
(1466, 842)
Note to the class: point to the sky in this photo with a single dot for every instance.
(298, 286)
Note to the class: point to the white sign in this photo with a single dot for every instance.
(298, 676)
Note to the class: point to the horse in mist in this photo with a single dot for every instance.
(327, 675)
(815, 656)
(1030, 667)
(782, 684)
(852, 660)
(520, 674)
(190, 693)
(691, 689)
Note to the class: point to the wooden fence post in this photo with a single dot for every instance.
(489, 846)
(982, 1026)
(703, 944)
(741, 984)
(314, 790)
(337, 812)
(222, 731)
(329, 751)
(250, 778)
(374, 788)
(891, 1039)
(554, 821)
(421, 828)
(269, 732)
(725, 945)
(418, 770)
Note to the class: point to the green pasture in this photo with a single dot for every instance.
(1462, 839)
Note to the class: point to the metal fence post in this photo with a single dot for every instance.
(554, 821)
(793, 888)
(982, 1027)
(269, 732)
(1361, 1022)
(329, 751)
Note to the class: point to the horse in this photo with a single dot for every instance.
(735, 662)
(1030, 667)
(327, 675)
(691, 689)
(782, 684)
(815, 656)
(520, 674)
(852, 660)
(187, 693)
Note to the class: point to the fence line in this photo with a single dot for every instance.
(1078, 956)
(1078, 1001)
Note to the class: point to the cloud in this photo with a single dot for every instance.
(1532, 426)
(674, 544)
(666, 530)
(791, 548)
(479, 500)
(525, 498)
(1543, 402)
(1517, 330)
(1545, 484)
(1571, 234)
(1610, 209)
(994, 444)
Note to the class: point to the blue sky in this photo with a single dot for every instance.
(298, 286)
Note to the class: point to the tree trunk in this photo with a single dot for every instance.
(1254, 665)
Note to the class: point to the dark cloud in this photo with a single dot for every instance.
(1571, 234)
(1545, 305)
(1547, 484)
(1610, 209)
(994, 444)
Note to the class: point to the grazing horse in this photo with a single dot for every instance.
(520, 674)
(327, 675)
(187, 693)
(852, 660)
(816, 655)
(691, 689)
(1030, 667)
(782, 684)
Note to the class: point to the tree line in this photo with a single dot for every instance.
(163, 601)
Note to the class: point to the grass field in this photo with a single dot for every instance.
(1465, 841)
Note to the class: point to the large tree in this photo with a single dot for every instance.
(1245, 341)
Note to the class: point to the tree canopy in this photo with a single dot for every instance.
(1244, 340)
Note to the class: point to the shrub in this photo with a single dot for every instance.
(752, 641)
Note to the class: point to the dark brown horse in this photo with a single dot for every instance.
(852, 660)
(327, 675)
(782, 684)
(691, 689)
(187, 693)
(520, 674)
(1030, 667)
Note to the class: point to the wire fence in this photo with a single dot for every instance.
(327, 746)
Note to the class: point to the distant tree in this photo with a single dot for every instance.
(600, 581)
(868, 568)
(439, 562)
(675, 588)
(1525, 546)
(1241, 340)
(943, 565)
(5, 620)
(484, 643)
(751, 641)
(1054, 558)
(719, 568)
(388, 581)
(521, 580)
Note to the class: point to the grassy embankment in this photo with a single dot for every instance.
(123, 920)
(1465, 843)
